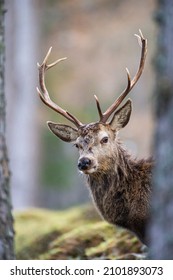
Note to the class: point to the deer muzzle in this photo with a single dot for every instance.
(84, 163)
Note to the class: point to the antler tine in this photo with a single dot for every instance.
(44, 95)
(98, 106)
(131, 83)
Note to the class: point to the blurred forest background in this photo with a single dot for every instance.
(97, 37)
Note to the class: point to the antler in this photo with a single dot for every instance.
(44, 95)
(130, 83)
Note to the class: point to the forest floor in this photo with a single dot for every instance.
(76, 233)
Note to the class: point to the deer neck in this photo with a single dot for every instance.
(115, 170)
(109, 188)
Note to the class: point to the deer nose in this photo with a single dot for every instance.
(84, 163)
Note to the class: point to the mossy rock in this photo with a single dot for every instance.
(77, 233)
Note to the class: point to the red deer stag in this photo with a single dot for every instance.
(119, 184)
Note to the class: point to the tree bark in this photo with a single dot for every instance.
(6, 219)
(161, 226)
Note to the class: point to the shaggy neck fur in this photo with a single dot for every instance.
(121, 191)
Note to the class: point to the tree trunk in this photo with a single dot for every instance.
(21, 77)
(161, 226)
(6, 220)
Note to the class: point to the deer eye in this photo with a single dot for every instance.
(104, 140)
(76, 145)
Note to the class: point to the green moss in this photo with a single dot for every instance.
(77, 233)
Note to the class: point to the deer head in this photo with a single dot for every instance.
(95, 141)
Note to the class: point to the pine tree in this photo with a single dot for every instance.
(161, 226)
(6, 220)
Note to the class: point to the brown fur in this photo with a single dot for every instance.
(121, 186)
(122, 194)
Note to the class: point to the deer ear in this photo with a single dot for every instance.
(122, 116)
(64, 132)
